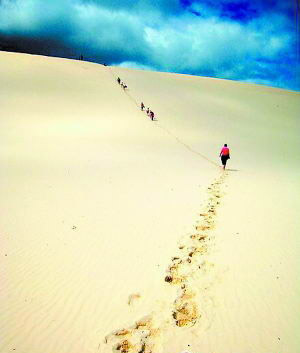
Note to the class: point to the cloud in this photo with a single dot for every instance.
(107, 35)
(39, 17)
(235, 39)
(135, 65)
(161, 7)
(215, 46)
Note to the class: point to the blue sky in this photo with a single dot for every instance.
(251, 41)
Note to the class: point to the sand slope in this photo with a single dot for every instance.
(97, 199)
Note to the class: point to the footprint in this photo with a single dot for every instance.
(133, 297)
(186, 312)
(142, 337)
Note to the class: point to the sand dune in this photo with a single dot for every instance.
(120, 234)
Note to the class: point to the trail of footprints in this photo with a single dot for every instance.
(185, 271)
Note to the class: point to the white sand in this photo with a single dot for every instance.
(95, 199)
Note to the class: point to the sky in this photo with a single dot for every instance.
(255, 41)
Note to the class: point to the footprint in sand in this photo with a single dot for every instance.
(186, 310)
(133, 298)
(142, 337)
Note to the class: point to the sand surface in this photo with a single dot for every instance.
(119, 234)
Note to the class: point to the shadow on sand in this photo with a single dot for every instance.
(232, 170)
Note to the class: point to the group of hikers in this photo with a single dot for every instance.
(148, 111)
(123, 85)
(224, 154)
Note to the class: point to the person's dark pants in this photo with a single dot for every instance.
(224, 160)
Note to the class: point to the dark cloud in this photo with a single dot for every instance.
(234, 39)
(32, 45)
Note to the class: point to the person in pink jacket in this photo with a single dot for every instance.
(225, 155)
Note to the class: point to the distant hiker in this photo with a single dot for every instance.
(124, 87)
(151, 115)
(119, 80)
(148, 111)
(122, 84)
(142, 106)
(225, 155)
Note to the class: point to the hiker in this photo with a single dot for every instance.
(124, 87)
(225, 155)
(122, 84)
(119, 80)
(148, 111)
(142, 106)
(151, 115)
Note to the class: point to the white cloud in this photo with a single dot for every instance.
(211, 45)
(135, 65)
